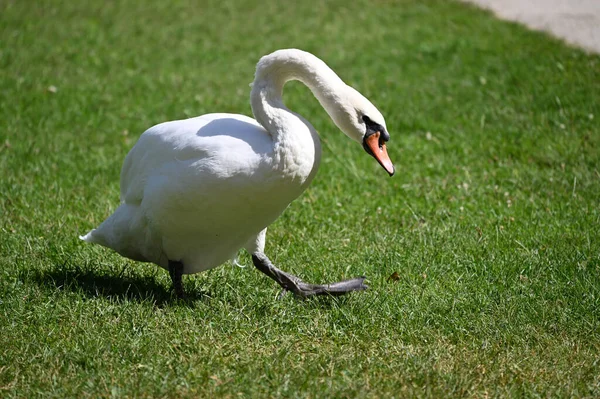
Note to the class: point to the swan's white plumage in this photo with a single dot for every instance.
(198, 190)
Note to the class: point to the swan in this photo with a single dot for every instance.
(196, 191)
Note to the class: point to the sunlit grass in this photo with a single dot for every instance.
(491, 222)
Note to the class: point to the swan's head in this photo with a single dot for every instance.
(358, 118)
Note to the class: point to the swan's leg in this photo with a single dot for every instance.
(176, 271)
(289, 282)
(301, 289)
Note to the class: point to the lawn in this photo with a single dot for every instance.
(491, 221)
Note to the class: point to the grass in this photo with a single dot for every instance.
(491, 221)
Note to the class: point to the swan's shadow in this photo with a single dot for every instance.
(95, 283)
(101, 283)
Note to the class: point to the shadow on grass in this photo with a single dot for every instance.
(94, 283)
(100, 283)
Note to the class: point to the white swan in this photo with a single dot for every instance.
(195, 191)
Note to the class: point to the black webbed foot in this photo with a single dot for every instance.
(301, 289)
(176, 271)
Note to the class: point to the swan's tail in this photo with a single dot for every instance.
(87, 237)
(125, 232)
(93, 238)
(114, 230)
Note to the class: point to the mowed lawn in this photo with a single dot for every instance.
(492, 221)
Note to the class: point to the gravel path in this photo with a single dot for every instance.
(575, 21)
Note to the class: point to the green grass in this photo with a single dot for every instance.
(492, 221)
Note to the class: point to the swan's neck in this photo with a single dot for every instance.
(273, 71)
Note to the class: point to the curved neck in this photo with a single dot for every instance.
(274, 70)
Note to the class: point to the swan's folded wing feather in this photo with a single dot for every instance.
(220, 145)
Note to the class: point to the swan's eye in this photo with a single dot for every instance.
(374, 127)
(371, 126)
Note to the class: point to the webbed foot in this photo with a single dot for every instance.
(301, 289)
(176, 271)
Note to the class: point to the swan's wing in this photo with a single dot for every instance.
(213, 146)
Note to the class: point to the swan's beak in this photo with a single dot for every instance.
(377, 150)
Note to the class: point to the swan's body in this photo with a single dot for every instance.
(195, 191)
(199, 189)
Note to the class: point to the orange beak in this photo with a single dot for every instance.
(379, 152)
